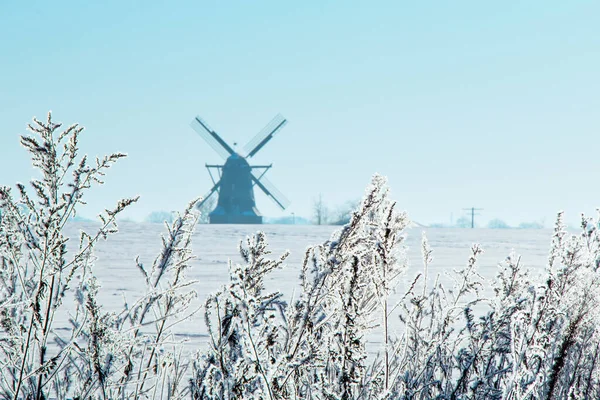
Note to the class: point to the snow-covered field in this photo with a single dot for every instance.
(214, 245)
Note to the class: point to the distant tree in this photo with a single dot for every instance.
(159, 217)
(531, 225)
(78, 218)
(206, 208)
(344, 212)
(497, 224)
(438, 225)
(320, 211)
(287, 220)
(463, 222)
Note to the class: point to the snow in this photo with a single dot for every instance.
(215, 245)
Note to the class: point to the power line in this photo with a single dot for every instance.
(473, 214)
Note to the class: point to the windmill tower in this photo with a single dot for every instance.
(236, 178)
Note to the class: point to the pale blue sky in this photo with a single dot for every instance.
(459, 103)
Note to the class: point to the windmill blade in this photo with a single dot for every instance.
(264, 135)
(211, 137)
(271, 191)
(207, 196)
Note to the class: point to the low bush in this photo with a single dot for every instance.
(497, 224)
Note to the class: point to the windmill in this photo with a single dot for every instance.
(236, 178)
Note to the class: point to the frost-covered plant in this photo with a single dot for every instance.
(96, 354)
(315, 348)
(554, 326)
(534, 339)
(346, 283)
(245, 329)
(531, 339)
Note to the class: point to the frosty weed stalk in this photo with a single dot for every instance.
(99, 354)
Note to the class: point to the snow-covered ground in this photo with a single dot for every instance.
(214, 245)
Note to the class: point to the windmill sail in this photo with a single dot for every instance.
(264, 135)
(270, 190)
(207, 196)
(211, 137)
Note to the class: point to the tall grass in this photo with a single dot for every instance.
(516, 337)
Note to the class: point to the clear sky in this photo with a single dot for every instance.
(460, 103)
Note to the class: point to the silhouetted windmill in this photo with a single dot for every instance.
(236, 178)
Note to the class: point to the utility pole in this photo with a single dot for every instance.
(473, 214)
